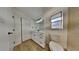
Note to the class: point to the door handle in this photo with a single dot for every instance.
(10, 33)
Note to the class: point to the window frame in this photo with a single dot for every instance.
(58, 20)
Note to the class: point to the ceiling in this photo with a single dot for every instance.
(34, 12)
(45, 9)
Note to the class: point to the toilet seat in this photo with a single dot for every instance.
(55, 46)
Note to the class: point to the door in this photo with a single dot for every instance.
(6, 35)
(11, 33)
(11, 40)
(6, 25)
(23, 31)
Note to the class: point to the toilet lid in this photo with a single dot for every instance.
(55, 46)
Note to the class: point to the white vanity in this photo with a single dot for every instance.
(38, 32)
(39, 38)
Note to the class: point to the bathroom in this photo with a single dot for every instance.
(31, 29)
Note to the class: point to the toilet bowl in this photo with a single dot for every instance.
(55, 46)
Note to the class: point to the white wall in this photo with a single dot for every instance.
(29, 16)
(27, 29)
(26, 26)
(32, 12)
(6, 25)
(73, 29)
(61, 33)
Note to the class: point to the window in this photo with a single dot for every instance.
(57, 21)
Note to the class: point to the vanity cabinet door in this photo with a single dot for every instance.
(39, 38)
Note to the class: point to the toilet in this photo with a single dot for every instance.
(54, 45)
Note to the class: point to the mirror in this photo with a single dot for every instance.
(40, 24)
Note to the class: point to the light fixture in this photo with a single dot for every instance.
(40, 20)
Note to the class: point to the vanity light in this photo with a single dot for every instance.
(41, 19)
